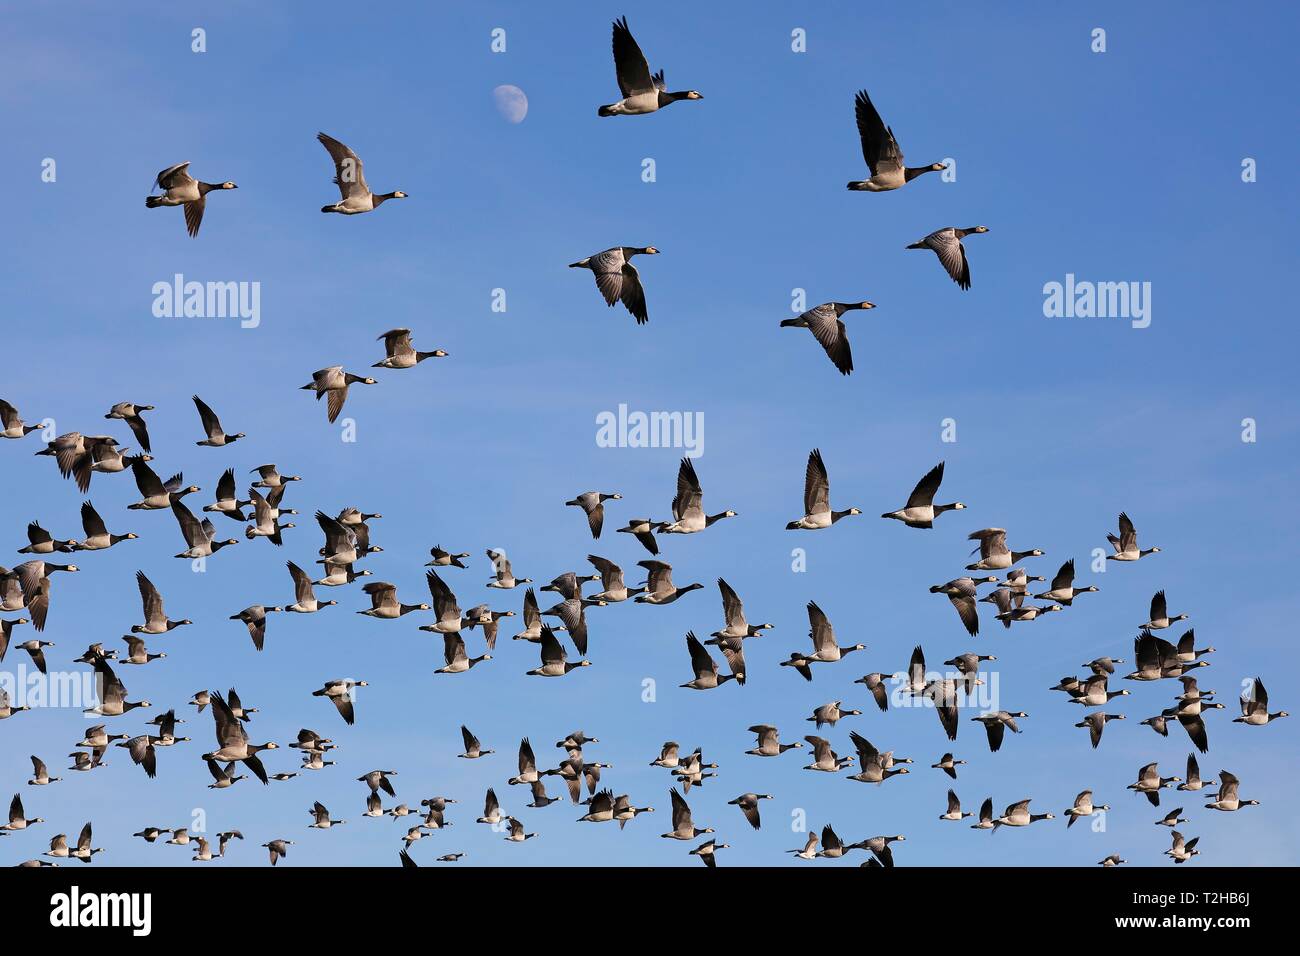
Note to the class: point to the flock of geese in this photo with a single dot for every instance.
(562, 633)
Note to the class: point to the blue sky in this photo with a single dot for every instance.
(1120, 166)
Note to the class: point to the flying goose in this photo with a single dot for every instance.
(399, 353)
(825, 648)
(321, 817)
(600, 808)
(6, 633)
(334, 382)
(11, 423)
(156, 493)
(748, 803)
(17, 817)
(643, 529)
(1027, 613)
(277, 849)
(76, 456)
(826, 323)
(443, 559)
(1157, 658)
(83, 850)
(875, 683)
(968, 666)
(617, 278)
(879, 847)
(517, 834)
(41, 774)
(613, 589)
(305, 601)
(831, 713)
(384, 604)
(97, 534)
(1193, 781)
(349, 176)
(1063, 590)
(41, 541)
(881, 151)
(947, 244)
(706, 851)
(232, 739)
(445, 608)
(871, 762)
(642, 92)
(954, 811)
(156, 620)
(1160, 614)
(948, 765)
(688, 505)
(809, 850)
(593, 503)
(1018, 815)
(378, 780)
(737, 627)
(920, 510)
(573, 612)
(200, 536)
(704, 666)
(1172, 819)
(1093, 692)
(1254, 707)
(33, 577)
(817, 498)
(266, 516)
(491, 809)
(624, 811)
(132, 414)
(684, 827)
(1182, 850)
(340, 692)
(769, 742)
(35, 648)
(668, 755)
(994, 554)
(473, 749)
(1126, 545)
(151, 834)
(985, 817)
(1187, 649)
(217, 436)
(1106, 665)
(527, 765)
(456, 661)
(504, 574)
(1150, 782)
(254, 617)
(996, 723)
(832, 846)
(532, 619)
(179, 188)
(1083, 807)
(659, 587)
(1113, 860)
(555, 660)
(1096, 723)
(137, 653)
(1227, 799)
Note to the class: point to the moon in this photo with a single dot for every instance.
(511, 102)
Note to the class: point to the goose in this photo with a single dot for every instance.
(1157, 658)
(920, 510)
(1172, 819)
(202, 852)
(1160, 615)
(310, 741)
(11, 592)
(659, 587)
(876, 684)
(473, 749)
(1187, 651)
(96, 738)
(132, 414)
(944, 695)
(1126, 545)
(17, 817)
(825, 759)
(456, 661)
(737, 627)
(642, 92)
(1182, 850)
(266, 518)
(40, 774)
(1254, 707)
(994, 554)
(157, 494)
(568, 585)
(254, 617)
(1158, 724)
(413, 834)
(517, 834)
(305, 601)
(378, 780)
(593, 503)
(1096, 723)
(41, 541)
(226, 837)
(1150, 782)
(1063, 590)
(624, 811)
(688, 505)
(179, 188)
(97, 534)
(112, 693)
(831, 713)
(1027, 613)
(1083, 807)
(107, 459)
(748, 803)
(143, 753)
(600, 808)
(706, 851)
(505, 576)
(137, 653)
(384, 604)
(879, 847)
(151, 834)
(6, 633)
(491, 809)
(340, 544)
(954, 811)
(445, 608)
(968, 666)
(684, 827)
(270, 477)
(1018, 815)
(948, 765)
(996, 723)
(7, 708)
(874, 767)
(985, 817)
(232, 739)
(704, 666)
(313, 760)
(76, 455)
(881, 151)
(399, 353)
(1194, 724)
(278, 849)
(947, 244)
(613, 589)
(826, 323)
(443, 559)
(1193, 781)
(335, 382)
(179, 836)
(34, 579)
(1017, 582)
(1103, 665)
(1113, 860)
(349, 176)
(532, 619)
(35, 648)
(817, 498)
(11, 423)
(1002, 599)
(573, 612)
(156, 620)
(166, 724)
(643, 529)
(825, 647)
(83, 850)
(216, 435)
(201, 536)
(527, 765)
(84, 762)
(809, 850)
(341, 692)
(769, 742)
(618, 279)
(321, 817)
(691, 771)
(832, 846)
(555, 661)
(1093, 692)
(1227, 799)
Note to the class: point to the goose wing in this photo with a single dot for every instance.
(630, 63)
(349, 174)
(879, 148)
(816, 485)
(925, 490)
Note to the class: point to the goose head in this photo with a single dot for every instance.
(225, 185)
